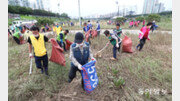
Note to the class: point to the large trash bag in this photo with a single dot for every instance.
(68, 44)
(87, 35)
(94, 33)
(89, 76)
(127, 45)
(57, 55)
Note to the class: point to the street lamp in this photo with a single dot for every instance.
(79, 13)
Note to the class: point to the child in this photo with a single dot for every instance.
(61, 38)
(80, 53)
(115, 41)
(38, 40)
(145, 35)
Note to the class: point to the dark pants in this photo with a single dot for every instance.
(39, 60)
(72, 74)
(17, 40)
(98, 33)
(62, 45)
(141, 44)
(115, 50)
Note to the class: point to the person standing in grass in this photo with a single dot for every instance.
(118, 32)
(115, 41)
(80, 53)
(61, 38)
(85, 28)
(145, 35)
(98, 28)
(38, 40)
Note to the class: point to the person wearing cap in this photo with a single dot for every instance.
(38, 40)
(61, 38)
(80, 54)
(115, 41)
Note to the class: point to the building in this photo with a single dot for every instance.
(24, 3)
(152, 6)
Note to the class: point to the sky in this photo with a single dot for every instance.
(94, 7)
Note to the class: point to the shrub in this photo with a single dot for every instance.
(120, 19)
(44, 21)
(140, 18)
(152, 17)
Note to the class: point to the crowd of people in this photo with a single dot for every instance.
(80, 51)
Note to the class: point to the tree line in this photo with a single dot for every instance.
(29, 11)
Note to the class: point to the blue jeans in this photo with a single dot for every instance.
(115, 50)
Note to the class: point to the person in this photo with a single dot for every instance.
(131, 24)
(58, 29)
(12, 27)
(118, 30)
(17, 36)
(154, 26)
(80, 53)
(85, 28)
(144, 23)
(98, 28)
(144, 36)
(115, 41)
(61, 38)
(37, 41)
(89, 24)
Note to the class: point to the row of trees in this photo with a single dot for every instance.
(150, 17)
(29, 11)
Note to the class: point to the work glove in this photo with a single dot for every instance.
(30, 55)
(117, 45)
(80, 67)
(93, 59)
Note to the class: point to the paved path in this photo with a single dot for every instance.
(124, 31)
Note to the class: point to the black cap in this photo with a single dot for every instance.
(79, 37)
(117, 24)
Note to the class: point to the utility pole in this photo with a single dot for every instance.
(79, 13)
(118, 8)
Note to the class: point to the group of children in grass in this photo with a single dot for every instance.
(80, 51)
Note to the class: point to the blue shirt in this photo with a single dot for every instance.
(86, 29)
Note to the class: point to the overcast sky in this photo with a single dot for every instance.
(93, 7)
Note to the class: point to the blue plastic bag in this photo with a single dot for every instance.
(89, 76)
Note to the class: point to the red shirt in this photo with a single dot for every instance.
(146, 34)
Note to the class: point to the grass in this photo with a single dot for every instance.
(150, 68)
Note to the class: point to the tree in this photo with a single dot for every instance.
(153, 17)
(120, 19)
(140, 18)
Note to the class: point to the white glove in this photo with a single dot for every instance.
(30, 55)
(80, 67)
(117, 45)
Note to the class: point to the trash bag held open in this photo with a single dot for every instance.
(89, 76)
(68, 44)
(57, 55)
(127, 45)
